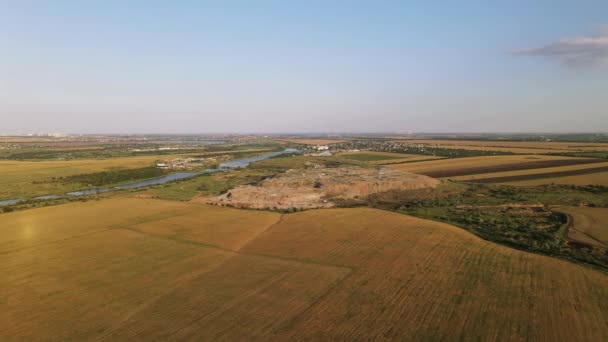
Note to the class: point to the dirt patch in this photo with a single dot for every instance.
(318, 187)
(144, 195)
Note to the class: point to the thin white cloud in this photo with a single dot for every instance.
(591, 51)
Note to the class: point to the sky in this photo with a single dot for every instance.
(303, 66)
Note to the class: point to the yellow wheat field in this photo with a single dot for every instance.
(538, 171)
(141, 269)
(515, 146)
(589, 225)
(485, 163)
(597, 178)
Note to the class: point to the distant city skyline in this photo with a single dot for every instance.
(129, 67)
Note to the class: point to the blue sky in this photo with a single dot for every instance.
(303, 66)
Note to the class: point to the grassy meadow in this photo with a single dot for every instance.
(19, 179)
(205, 185)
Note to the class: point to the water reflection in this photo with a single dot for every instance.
(233, 164)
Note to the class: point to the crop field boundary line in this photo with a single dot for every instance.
(54, 241)
(235, 251)
(413, 161)
(509, 167)
(562, 232)
(589, 236)
(212, 246)
(150, 218)
(115, 327)
(349, 271)
(287, 324)
(570, 226)
(534, 176)
(231, 304)
(559, 258)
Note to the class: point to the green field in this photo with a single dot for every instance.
(284, 163)
(206, 184)
(371, 156)
(23, 179)
(31, 178)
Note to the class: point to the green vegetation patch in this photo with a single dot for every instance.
(283, 163)
(378, 145)
(207, 184)
(370, 157)
(220, 182)
(514, 216)
(594, 154)
(113, 176)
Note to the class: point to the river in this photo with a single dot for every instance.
(233, 164)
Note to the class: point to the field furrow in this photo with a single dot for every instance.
(183, 271)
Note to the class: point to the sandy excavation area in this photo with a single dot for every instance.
(318, 187)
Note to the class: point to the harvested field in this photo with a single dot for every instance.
(489, 164)
(515, 150)
(384, 158)
(507, 149)
(222, 227)
(31, 228)
(317, 187)
(157, 270)
(589, 225)
(537, 176)
(89, 279)
(248, 297)
(407, 160)
(414, 279)
(573, 167)
(531, 147)
(598, 178)
(82, 287)
(513, 167)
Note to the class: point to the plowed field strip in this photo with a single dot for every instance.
(509, 167)
(540, 175)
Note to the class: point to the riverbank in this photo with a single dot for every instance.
(233, 164)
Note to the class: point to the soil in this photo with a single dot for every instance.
(510, 167)
(319, 187)
(534, 176)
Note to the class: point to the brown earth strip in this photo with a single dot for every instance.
(539, 175)
(407, 161)
(510, 167)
